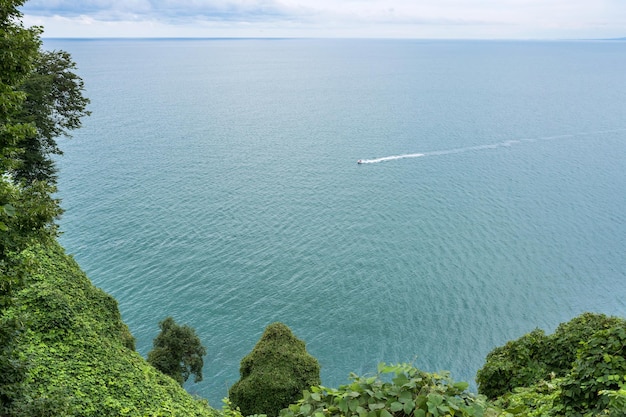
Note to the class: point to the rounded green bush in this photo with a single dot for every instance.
(275, 373)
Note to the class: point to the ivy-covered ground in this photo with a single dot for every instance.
(79, 355)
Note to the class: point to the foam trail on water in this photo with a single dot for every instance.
(390, 158)
(506, 143)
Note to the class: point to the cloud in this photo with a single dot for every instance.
(411, 18)
(162, 10)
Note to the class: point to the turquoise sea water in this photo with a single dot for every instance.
(216, 182)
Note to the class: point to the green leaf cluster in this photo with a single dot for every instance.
(597, 375)
(275, 373)
(396, 391)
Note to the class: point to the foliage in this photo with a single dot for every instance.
(535, 356)
(275, 373)
(18, 51)
(561, 350)
(229, 410)
(600, 366)
(518, 363)
(580, 370)
(397, 391)
(55, 105)
(538, 400)
(177, 352)
(79, 354)
(20, 210)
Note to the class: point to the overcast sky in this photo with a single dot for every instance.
(465, 19)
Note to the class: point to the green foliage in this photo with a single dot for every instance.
(561, 350)
(616, 401)
(579, 371)
(600, 366)
(518, 363)
(55, 105)
(397, 391)
(275, 373)
(78, 353)
(177, 352)
(538, 400)
(535, 356)
(229, 410)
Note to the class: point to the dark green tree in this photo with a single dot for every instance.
(177, 352)
(54, 105)
(275, 373)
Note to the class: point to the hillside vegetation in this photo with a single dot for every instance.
(79, 355)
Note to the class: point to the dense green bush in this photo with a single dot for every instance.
(275, 373)
(600, 366)
(563, 344)
(535, 356)
(397, 391)
(519, 363)
(579, 371)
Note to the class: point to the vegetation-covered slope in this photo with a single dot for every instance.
(79, 353)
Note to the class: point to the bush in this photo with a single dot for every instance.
(519, 363)
(275, 373)
(535, 357)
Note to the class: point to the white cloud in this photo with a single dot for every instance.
(324, 18)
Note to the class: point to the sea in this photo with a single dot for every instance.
(217, 182)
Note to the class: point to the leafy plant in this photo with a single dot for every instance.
(396, 391)
(519, 363)
(600, 367)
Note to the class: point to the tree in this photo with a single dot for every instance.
(177, 352)
(275, 373)
(55, 105)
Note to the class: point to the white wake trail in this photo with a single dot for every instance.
(390, 158)
(506, 143)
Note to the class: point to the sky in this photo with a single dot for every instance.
(412, 19)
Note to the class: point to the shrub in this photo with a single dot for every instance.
(519, 363)
(275, 373)
(535, 356)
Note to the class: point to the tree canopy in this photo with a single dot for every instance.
(177, 352)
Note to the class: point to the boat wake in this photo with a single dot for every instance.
(506, 143)
(389, 158)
